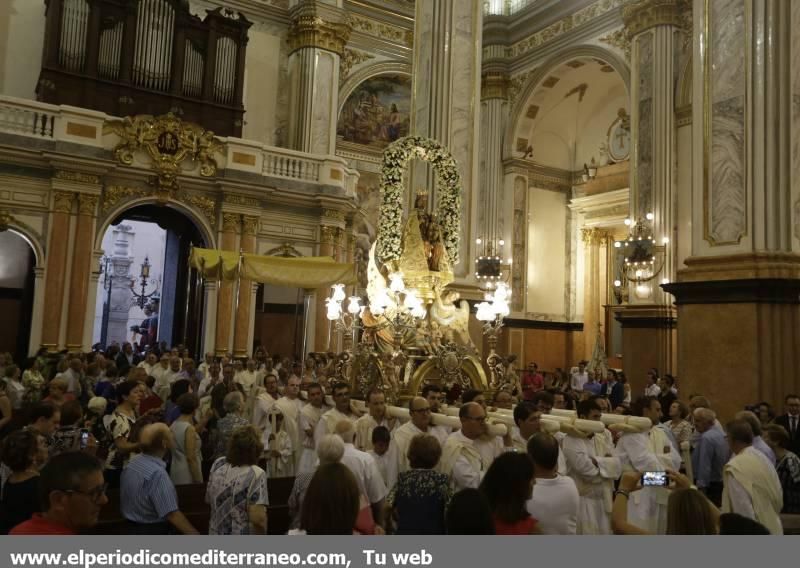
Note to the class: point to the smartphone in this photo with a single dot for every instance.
(84, 438)
(655, 479)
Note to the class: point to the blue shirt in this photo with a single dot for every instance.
(147, 494)
(593, 388)
(709, 457)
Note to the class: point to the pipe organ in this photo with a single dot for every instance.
(128, 57)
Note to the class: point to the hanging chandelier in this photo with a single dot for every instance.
(642, 257)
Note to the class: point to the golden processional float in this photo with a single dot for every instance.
(412, 330)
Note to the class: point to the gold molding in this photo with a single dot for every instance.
(285, 250)
(327, 234)
(494, 85)
(333, 215)
(79, 177)
(382, 30)
(250, 225)
(81, 130)
(231, 222)
(5, 219)
(87, 204)
(646, 14)
(235, 199)
(115, 194)
(594, 236)
(62, 201)
(309, 30)
(206, 205)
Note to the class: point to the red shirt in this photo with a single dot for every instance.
(531, 383)
(37, 524)
(151, 402)
(525, 526)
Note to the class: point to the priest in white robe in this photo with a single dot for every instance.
(376, 405)
(290, 406)
(592, 466)
(461, 458)
(309, 417)
(527, 418)
(420, 423)
(648, 451)
(342, 411)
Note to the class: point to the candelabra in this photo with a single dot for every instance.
(402, 308)
(141, 299)
(346, 321)
(642, 258)
(491, 313)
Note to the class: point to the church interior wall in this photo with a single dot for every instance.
(546, 254)
(21, 43)
(265, 102)
(681, 238)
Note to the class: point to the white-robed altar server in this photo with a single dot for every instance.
(648, 451)
(310, 416)
(420, 423)
(290, 406)
(528, 420)
(461, 459)
(592, 466)
(342, 411)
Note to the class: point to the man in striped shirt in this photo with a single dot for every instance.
(148, 499)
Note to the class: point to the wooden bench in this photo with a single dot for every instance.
(192, 503)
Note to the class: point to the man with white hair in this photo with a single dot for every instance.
(710, 454)
(376, 404)
(364, 468)
(758, 442)
(148, 499)
(461, 459)
(329, 450)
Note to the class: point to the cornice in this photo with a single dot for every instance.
(646, 14)
(322, 29)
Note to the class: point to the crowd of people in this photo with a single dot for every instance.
(78, 429)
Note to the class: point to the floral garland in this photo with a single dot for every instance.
(395, 159)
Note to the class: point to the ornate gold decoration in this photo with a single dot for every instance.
(327, 235)
(339, 238)
(382, 30)
(351, 58)
(87, 203)
(205, 204)
(494, 85)
(235, 199)
(62, 201)
(647, 14)
(168, 141)
(515, 85)
(563, 26)
(250, 225)
(310, 30)
(620, 40)
(333, 215)
(231, 222)
(79, 177)
(286, 250)
(113, 194)
(5, 219)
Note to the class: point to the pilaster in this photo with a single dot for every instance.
(56, 269)
(241, 331)
(81, 270)
(231, 228)
(327, 247)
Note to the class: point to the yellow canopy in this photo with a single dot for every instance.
(298, 272)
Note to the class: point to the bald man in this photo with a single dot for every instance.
(420, 411)
(148, 499)
(461, 457)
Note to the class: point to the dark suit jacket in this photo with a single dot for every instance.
(122, 363)
(794, 443)
(616, 396)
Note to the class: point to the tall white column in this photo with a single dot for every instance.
(317, 37)
(446, 94)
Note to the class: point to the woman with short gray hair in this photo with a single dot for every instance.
(233, 404)
(329, 450)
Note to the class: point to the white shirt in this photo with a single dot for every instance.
(578, 380)
(464, 475)
(652, 390)
(383, 463)
(365, 470)
(247, 379)
(554, 504)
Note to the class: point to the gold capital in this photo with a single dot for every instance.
(62, 201)
(594, 236)
(308, 29)
(327, 234)
(87, 204)
(494, 85)
(231, 222)
(646, 14)
(250, 225)
(332, 215)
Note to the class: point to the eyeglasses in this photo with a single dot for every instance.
(95, 494)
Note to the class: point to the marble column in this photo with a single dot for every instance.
(445, 99)
(55, 273)
(81, 270)
(231, 226)
(595, 241)
(119, 307)
(317, 36)
(738, 297)
(322, 339)
(656, 30)
(241, 330)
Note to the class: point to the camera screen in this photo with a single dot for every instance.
(655, 479)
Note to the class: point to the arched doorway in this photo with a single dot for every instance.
(145, 292)
(17, 263)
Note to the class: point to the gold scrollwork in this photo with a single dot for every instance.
(494, 85)
(647, 14)
(114, 194)
(327, 235)
(594, 236)
(333, 215)
(62, 201)
(231, 222)
(5, 219)
(206, 205)
(168, 141)
(285, 250)
(77, 176)
(351, 58)
(620, 40)
(250, 225)
(310, 30)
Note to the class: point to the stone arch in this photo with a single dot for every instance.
(208, 232)
(517, 120)
(368, 72)
(30, 236)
